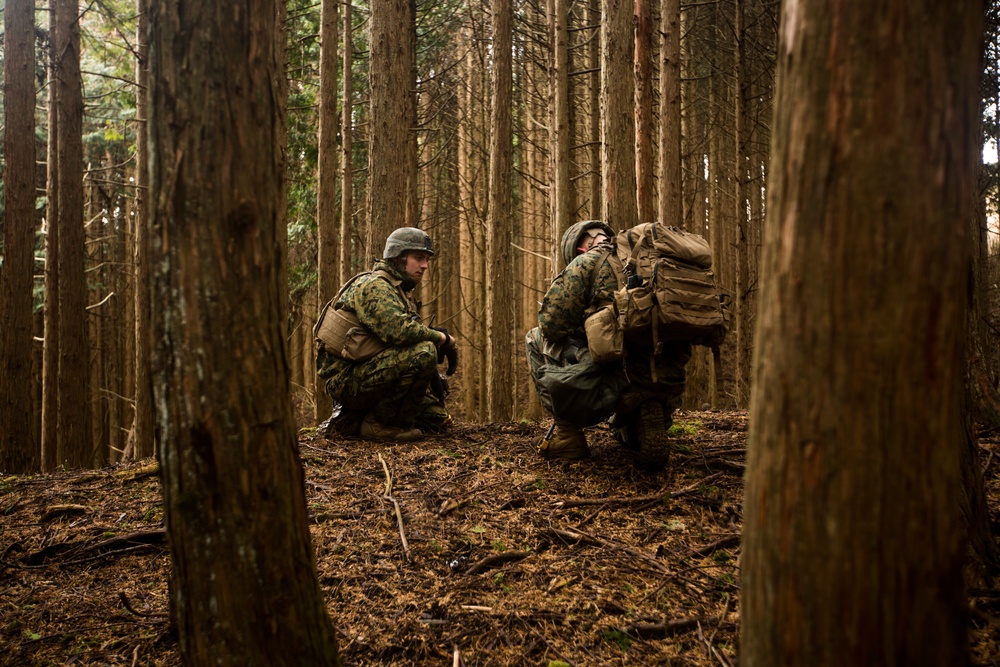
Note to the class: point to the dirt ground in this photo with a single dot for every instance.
(495, 557)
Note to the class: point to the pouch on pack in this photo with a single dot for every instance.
(343, 334)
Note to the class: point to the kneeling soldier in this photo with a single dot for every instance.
(375, 357)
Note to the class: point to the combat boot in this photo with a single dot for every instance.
(654, 448)
(372, 430)
(566, 442)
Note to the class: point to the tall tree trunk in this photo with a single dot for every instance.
(853, 546)
(50, 346)
(244, 588)
(143, 436)
(327, 228)
(347, 147)
(500, 226)
(19, 451)
(389, 123)
(644, 162)
(594, 115)
(559, 130)
(74, 448)
(617, 120)
(669, 206)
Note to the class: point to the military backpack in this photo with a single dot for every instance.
(666, 292)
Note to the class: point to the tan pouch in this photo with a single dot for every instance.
(343, 335)
(635, 308)
(604, 336)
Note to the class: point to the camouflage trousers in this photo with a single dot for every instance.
(635, 375)
(390, 386)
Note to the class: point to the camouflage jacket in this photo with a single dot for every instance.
(385, 307)
(576, 293)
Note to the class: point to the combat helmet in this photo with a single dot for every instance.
(407, 238)
(574, 233)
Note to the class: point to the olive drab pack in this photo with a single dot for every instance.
(342, 333)
(666, 292)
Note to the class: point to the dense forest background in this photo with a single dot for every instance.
(703, 82)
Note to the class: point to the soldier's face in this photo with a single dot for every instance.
(416, 264)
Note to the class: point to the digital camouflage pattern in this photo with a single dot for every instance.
(579, 291)
(393, 384)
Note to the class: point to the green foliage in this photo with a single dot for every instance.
(617, 637)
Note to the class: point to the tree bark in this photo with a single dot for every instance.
(347, 147)
(73, 436)
(669, 207)
(389, 122)
(19, 450)
(50, 346)
(500, 226)
(143, 433)
(244, 588)
(644, 162)
(559, 129)
(327, 229)
(617, 120)
(853, 539)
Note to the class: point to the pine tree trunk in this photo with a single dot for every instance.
(644, 162)
(853, 545)
(669, 199)
(347, 148)
(244, 588)
(559, 130)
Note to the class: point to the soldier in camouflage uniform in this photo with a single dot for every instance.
(644, 408)
(388, 392)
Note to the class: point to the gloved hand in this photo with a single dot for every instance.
(448, 351)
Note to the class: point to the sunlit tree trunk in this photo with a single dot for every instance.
(19, 451)
(244, 589)
(853, 545)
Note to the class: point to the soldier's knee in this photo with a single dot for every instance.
(425, 354)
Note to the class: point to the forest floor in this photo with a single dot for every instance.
(496, 557)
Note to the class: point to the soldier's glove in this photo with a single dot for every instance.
(439, 387)
(448, 351)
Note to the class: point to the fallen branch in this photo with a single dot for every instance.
(136, 612)
(496, 560)
(566, 504)
(666, 629)
(714, 546)
(578, 536)
(399, 514)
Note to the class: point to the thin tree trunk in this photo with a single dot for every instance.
(644, 162)
(143, 436)
(559, 131)
(327, 228)
(347, 147)
(853, 546)
(669, 201)
(19, 450)
(244, 588)
(50, 346)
